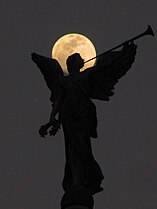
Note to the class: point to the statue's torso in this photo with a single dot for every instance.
(75, 93)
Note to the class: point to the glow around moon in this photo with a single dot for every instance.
(70, 44)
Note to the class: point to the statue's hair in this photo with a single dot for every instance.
(71, 61)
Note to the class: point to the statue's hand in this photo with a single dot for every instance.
(43, 130)
(127, 45)
(55, 128)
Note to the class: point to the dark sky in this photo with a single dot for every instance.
(31, 169)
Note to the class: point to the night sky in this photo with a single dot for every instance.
(31, 169)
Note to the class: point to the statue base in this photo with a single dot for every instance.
(77, 198)
(76, 207)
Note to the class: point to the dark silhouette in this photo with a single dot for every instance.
(148, 31)
(72, 105)
(71, 98)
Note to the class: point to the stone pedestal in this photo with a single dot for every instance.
(76, 207)
(77, 198)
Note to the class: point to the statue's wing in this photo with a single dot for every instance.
(51, 70)
(108, 70)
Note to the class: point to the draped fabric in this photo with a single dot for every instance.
(78, 113)
(78, 116)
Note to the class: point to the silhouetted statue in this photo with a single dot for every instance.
(71, 98)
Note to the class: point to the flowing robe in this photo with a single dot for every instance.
(79, 121)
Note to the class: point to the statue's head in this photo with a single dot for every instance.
(74, 63)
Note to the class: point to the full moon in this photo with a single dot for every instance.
(70, 44)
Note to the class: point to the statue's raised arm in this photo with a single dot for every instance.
(108, 70)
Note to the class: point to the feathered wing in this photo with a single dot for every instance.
(51, 70)
(108, 70)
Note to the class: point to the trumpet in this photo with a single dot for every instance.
(148, 31)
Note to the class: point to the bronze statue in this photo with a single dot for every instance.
(72, 107)
(71, 98)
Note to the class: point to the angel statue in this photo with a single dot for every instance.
(73, 108)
